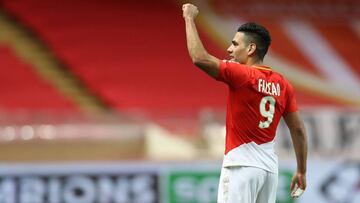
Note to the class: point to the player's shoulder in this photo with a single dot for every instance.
(234, 67)
(267, 71)
(273, 75)
(231, 63)
(283, 80)
(277, 75)
(282, 77)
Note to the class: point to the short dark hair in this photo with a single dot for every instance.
(259, 35)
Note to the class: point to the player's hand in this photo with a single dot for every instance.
(190, 11)
(298, 184)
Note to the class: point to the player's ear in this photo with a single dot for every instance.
(251, 49)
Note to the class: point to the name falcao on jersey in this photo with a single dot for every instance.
(268, 87)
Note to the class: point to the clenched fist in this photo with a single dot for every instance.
(190, 11)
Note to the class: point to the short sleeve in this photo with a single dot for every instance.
(291, 105)
(233, 73)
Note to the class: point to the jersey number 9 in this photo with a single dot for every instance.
(268, 114)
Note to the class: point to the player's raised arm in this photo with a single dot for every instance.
(198, 54)
(299, 139)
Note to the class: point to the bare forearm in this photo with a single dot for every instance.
(194, 44)
(299, 139)
(300, 146)
(198, 54)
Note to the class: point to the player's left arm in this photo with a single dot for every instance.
(200, 57)
(299, 139)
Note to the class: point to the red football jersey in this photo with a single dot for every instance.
(257, 99)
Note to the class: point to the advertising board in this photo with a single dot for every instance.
(175, 182)
(88, 183)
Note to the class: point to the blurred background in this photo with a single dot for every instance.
(99, 100)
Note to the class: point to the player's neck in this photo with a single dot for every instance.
(254, 63)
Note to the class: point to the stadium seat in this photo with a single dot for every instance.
(23, 89)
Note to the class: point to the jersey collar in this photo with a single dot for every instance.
(262, 67)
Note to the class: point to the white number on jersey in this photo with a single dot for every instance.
(269, 114)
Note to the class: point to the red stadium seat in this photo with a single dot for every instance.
(22, 89)
(129, 53)
(133, 53)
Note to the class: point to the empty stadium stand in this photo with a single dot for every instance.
(133, 53)
(22, 89)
